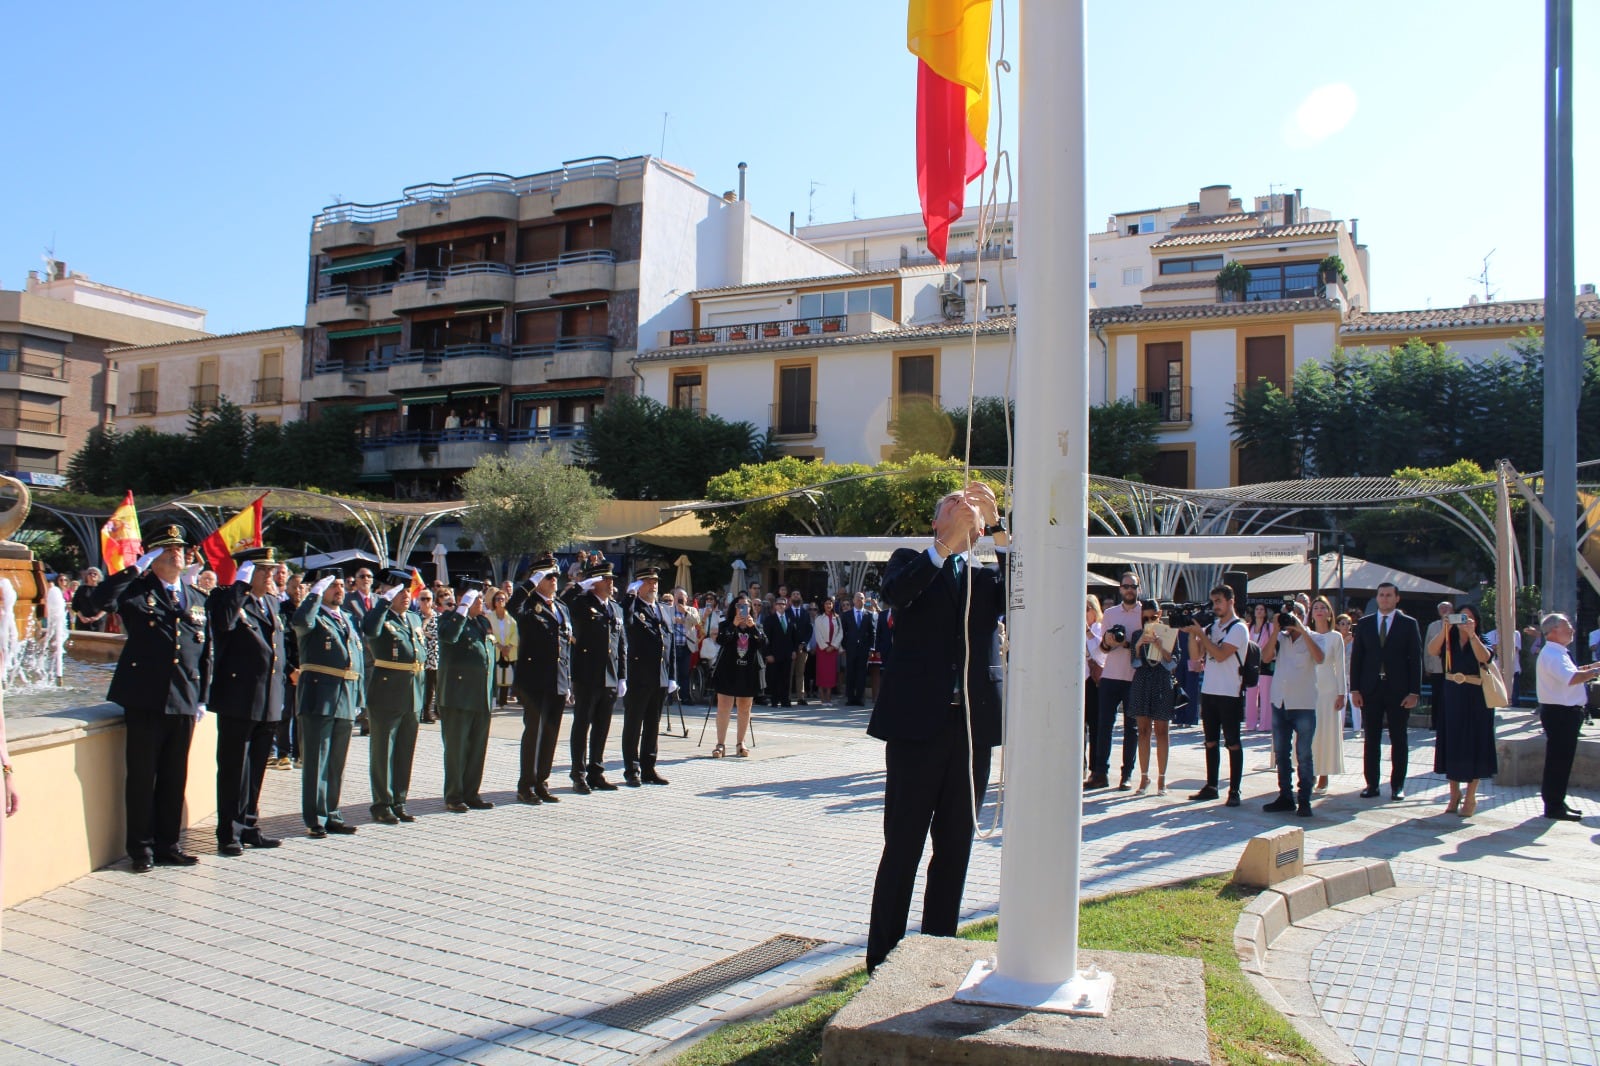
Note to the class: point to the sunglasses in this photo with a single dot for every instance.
(1130, 586)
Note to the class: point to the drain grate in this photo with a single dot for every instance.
(640, 1010)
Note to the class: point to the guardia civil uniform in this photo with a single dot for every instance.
(467, 654)
(399, 652)
(330, 692)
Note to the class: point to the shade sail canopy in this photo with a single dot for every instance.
(644, 521)
(324, 560)
(1213, 551)
(1358, 574)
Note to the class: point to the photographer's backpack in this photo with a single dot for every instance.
(1250, 661)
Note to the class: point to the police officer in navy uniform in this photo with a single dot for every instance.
(162, 681)
(543, 675)
(599, 676)
(398, 652)
(247, 689)
(650, 666)
(330, 689)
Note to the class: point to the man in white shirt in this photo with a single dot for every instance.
(1561, 704)
(1116, 678)
(1297, 653)
(1221, 647)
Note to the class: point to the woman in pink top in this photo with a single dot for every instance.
(1258, 700)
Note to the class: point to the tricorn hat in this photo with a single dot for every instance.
(170, 537)
(600, 569)
(255, 555)
(471, 584)
(397, 577)
(647, 573)
(543, 561)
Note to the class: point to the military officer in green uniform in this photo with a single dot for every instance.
(330, 689)
(466, 689)
(399, 652)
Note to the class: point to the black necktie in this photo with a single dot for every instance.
(955, 568)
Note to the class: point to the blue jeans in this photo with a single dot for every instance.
(1302, 723)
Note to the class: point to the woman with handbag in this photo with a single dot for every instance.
(1464, 747)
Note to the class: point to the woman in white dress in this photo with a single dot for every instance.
(1327, 741)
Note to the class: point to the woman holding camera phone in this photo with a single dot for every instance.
(1258, 698)
(737, 677)
(1150, 694)
(1463, 749)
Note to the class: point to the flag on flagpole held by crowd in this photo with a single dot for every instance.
(120, 541)
(416, 588)
(950, 39)
(241, 531)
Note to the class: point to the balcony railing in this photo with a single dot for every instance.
(451, 351)
(548, 181)
(793, 419)
(354, 292)
(1171, 404)
(435, 278)
(203, 395)
(269, 390)
(144, 403)
(465, 351)
(597, 343)
(432, 438)
(34, 364)
(550, 266)
(912, 401)
(761, 331)
(29, 422)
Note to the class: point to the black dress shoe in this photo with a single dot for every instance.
(231, 849)
(1096, 782)
(1303, 810)
(650, 777)
(385, 816)
(1397, 794)
(544, 794)
(1563, 816)
(457, 808)
(480, 805)
(341, 828)
(802, 703)
(1233, 799)
(528, 796)
(631, 779)
(785, 703)
(598, 782)
(316, 832)
(580, 786)
(254, 839)
(1207, 793)
(1279, 805)
(140, 864)
(175, 858)
(404, 815)
(1369, 793)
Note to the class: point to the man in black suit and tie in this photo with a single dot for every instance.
(859, 635)
(945, 661)
(1385, 684)
(782, 634)
(800, 626)
(247, 695)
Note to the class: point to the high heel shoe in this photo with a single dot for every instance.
(1161, 786)
(1144, 785)
(742, 752)
(1469, 807)
(719, 751)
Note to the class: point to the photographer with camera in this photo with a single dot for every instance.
(1116, 678)
(1464, 749)
(737, 678)
(1298, 652)
(1150, 696)
(1221, 645)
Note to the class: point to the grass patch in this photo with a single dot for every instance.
(1193, 919)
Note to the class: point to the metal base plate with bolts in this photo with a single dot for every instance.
(1087, 993)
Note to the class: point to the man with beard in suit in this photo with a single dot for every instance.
(543, 678)
(246, 694)
(162, 682)
(1385, 683)
(946, 665)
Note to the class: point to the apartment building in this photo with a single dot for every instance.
(56, 383)
(158, 385)
(491, 312)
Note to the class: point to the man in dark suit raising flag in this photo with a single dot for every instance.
(946, 666)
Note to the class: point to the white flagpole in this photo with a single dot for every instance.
(1037, 964)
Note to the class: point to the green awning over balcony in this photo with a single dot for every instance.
(559, 394)
(361, 262)
(461, 394)
(369, 331)
(422, 399)
(374, 408)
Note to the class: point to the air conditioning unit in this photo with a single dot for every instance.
(952, 285)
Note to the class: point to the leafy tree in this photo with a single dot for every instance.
(220, 440)
(1122, 435)
(90, 468)
(643, 450)
(526, 502)
(1122, 439)
(1425, 531)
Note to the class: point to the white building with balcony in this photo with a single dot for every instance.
(158, 385)
(470, 317)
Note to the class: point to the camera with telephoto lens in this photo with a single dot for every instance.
(1120, 632)
(1185, 615)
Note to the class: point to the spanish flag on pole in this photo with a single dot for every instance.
(417, 586)
(120, 541)
(950, 39)
(241, 531)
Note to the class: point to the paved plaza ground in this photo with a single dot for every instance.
(488, 937)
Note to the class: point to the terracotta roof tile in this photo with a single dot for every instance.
(1238, 218)
(1500, 313)
(207, 338)
(1302, 229)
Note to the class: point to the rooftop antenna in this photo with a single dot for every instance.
(811, 203)
(854, 214)
(663, 153)
(1483, 278)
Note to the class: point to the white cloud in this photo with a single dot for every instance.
(1325, 111)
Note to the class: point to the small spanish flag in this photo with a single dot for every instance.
(950, 39)
(241, 531)
(416, 588)
(120, 541)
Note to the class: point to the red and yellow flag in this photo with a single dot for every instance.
(120, 541)
(241, 531)
(950, 39)
(416, 588)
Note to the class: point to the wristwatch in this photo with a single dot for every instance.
(998, 527)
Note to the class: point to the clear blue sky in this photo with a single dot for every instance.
(182, 149)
